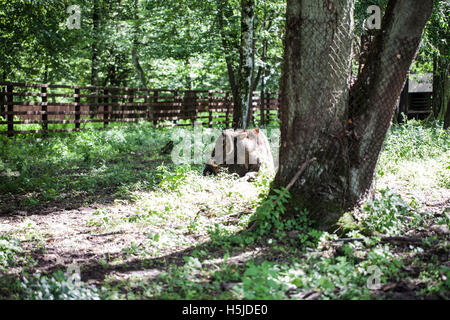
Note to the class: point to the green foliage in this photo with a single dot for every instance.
(270, 216)
(388, 215)
(9, 249)
(182, 282)
(435, 40)
(171, 179)
(261, 282)
(79, 163)
(58, 286)
(410, 147)
(341, 277)
(415, 140)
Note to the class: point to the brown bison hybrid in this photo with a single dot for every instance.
(241, 152)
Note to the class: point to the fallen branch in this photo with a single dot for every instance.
(299, 173)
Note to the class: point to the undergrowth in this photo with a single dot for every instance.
(197, 237)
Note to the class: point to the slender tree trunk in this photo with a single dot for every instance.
(46, 73)
(94, 52)
(137, 65)
(264, 71)
(242, 104)
(135, 49)
(95, 31)
(322, 118)
(447, 116)
(2, 97)
(440, 86)
(226, 47)
(187, 66)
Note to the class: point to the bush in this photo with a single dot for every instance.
(389, 215)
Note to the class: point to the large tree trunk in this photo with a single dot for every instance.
(322, 118)
(245, 94)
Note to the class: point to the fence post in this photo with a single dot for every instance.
(131, 102)
(123, 107)
(10, 110)
(268, 107)
(155, 101)
(2, 102)
(250, 110)
(210, 102)
(262, 106)
(176, 106)
(77, 109)
(44, 115)
(227, 112)
(105, 108)
(278, 109)
(195, 108)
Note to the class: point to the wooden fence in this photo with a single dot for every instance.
(62, 108)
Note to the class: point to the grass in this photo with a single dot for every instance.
(140, 227)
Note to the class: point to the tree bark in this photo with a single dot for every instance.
(376, 91)
(322, 117)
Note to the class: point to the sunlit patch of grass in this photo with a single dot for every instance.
(416, 160)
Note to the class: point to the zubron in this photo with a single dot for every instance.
(199, 310)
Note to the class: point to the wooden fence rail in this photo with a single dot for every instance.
(63, 108)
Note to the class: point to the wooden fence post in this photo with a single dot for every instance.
(210, 103)
(227, 111)
(123, 107)
(176, 105)
(131, 102)
(2, 102)
(10, 110)
(250, 110)
(268, 108)
(278, 109)
(105, 108)
(44, 115)
(77, 109)
(194, 107)
(155, 101)
(262, 106)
